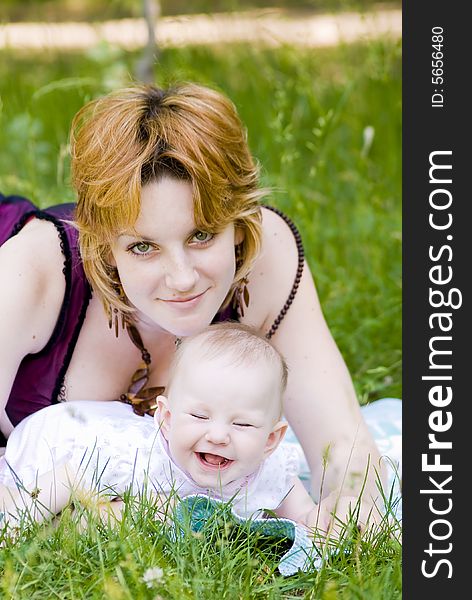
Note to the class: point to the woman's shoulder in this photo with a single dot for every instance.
(276, 266)
(282, 249)
(278, 230)
(36, 249)
(31, 278)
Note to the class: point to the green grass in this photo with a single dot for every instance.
(142, 558)
(308, 113)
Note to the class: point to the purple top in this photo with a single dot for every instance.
(40, 377)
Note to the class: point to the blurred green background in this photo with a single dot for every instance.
(85, 10)
(325, 124)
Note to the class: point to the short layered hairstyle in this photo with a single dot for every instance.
(137, 135)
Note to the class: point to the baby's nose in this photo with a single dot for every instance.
(217, 435)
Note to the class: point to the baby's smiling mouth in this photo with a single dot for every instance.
(213, 461)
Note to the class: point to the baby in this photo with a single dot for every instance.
(218, 431)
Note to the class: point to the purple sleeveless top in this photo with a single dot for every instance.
(40, 376)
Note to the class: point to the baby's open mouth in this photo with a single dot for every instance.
(213, 461)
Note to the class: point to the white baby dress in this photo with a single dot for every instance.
(111, 449)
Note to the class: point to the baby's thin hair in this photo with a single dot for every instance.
(243, 344)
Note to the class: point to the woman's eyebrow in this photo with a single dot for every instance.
(133, 235)
(144, 236)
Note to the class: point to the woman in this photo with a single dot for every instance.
(171, 237)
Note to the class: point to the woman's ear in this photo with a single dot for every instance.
(111, 259)
(238, 235)
(275, 437)
(162, 415)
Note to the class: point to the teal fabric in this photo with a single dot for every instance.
(302, 554)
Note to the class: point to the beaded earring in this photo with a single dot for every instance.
(115, 316)
(241, 293)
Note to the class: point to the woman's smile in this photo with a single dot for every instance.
(182, 302)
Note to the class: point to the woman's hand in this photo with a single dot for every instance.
(335, 513)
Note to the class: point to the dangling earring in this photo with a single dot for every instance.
(241, 296)
(241, 293)
(114, 320)
(114, 317)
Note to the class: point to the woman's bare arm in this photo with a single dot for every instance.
(320, 405)
(31, 292)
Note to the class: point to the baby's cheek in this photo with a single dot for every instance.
(186, 435)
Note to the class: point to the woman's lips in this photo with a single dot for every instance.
(184, 302)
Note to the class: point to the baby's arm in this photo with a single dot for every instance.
(298, 506)
(301, 508)
(47, 497)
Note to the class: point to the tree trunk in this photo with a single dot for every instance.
(145, 66)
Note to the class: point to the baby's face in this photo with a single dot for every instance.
(222, 420)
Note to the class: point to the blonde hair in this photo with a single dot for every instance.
(244, 345)
(140, 134)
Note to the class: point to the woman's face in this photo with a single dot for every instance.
(174, 274)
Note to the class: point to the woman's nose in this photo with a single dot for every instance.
(181, 275)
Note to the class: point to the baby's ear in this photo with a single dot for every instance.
(275, 437)
(162, 415)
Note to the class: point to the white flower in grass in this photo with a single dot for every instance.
(367, 138)
(152, 576)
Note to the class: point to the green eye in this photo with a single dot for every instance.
(141, 248)
(202, 236)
